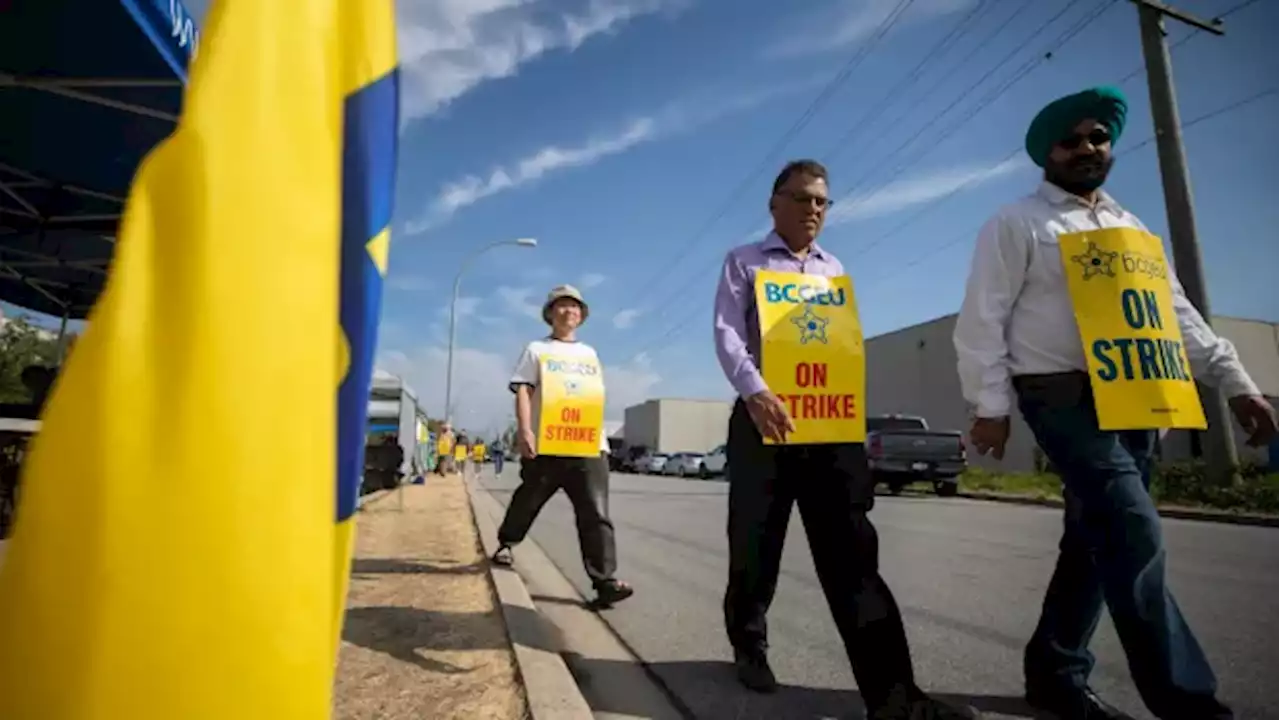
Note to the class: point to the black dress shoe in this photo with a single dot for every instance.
(910, 703)
(1079, 704)
(754, 671)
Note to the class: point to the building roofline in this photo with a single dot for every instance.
(951, 316)
(682, 399)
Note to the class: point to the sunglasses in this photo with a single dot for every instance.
(806, 199)
(1094, 138)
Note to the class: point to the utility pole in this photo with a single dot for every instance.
(1219, 446)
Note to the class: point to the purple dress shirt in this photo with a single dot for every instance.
(737, 324)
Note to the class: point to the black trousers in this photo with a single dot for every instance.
(832, 486)
(586, 482)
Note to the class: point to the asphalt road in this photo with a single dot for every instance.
(969, 576)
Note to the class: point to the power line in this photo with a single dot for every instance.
(823, 97)
(674, 299)
(1127, 151)
(1024, 70)
(1018, 149)
(913, 77)
(1131, 149)
(1191, 34)
(1021, 72)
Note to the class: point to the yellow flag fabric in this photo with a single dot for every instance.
(571, 416)
(182, 545)
(1118, 279)
(812, 355)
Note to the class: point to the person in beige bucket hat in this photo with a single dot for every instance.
(559, 388)
(564, 292)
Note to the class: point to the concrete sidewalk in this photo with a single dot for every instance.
(423, 635)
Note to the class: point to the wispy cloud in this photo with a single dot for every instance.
(854, 22)
(472, 188)
(408, 283)
(519, 301)
(590, 280)
(902, 194)
(626, 318)
(676, 117)
(467, 306)
(448, 47)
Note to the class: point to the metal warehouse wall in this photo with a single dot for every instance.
(1255, 342)
(692, 425)
(670, 425)
(640, 424)
(913, 371)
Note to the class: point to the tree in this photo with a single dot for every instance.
(22, 344)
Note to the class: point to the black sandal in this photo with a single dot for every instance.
(502, 556)
(613, 591)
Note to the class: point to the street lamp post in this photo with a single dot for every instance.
(453, 315)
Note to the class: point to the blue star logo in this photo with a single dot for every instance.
(812, 326)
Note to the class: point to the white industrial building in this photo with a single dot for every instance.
(671, 425)
(913, 371)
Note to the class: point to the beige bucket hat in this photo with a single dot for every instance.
(560, 292)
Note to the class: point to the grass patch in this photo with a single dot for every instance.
(1045, 486)
(1182, 484)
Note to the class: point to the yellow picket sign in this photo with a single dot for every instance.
(460, 452)
(477, 453)
(571, 415)
(812, 355)
(444, 445)
(1138, 369)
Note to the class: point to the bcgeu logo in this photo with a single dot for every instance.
(572, 368)
(796, 294)
(1136, 263)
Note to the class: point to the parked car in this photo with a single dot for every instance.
(684, 464)
(651, 463)
(628, 460)
(902, 450)
(714, 462)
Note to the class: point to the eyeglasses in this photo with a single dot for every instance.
(1094, 137)
(801, 198)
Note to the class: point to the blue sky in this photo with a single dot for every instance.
(616, 131)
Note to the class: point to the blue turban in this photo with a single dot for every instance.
(1055, 122)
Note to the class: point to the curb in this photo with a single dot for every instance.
(1225, 518)
(550, 689)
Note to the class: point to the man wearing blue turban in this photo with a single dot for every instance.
(1018, 341)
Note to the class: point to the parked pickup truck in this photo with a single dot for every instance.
(902, 450)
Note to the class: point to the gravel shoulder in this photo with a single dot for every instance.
(423, 635)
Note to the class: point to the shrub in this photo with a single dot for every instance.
(1252, 489)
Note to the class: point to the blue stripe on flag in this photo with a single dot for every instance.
(368, 189)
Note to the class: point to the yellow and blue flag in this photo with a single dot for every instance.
(180, 551)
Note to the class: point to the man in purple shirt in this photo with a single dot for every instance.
(831, 483)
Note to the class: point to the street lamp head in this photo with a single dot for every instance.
(527, 242)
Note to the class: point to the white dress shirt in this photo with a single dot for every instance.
(1017, 317)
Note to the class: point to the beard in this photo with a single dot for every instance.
(1081, 175)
